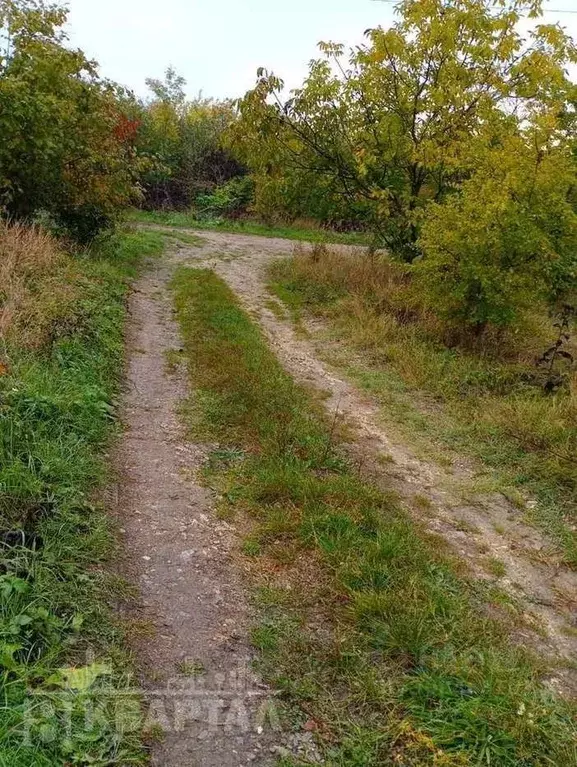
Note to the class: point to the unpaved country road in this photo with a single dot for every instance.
(181, 556)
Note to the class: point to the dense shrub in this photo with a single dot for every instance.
(67, 146)
(507, 240)
(449, 135)
(231, 199)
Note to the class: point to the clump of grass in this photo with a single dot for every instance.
(37, 284)
(57, 415)
(303, 230)
(276, 308)
(376, 635)
(485, 391)
(187, 239)
(495, 567)
(172, 360)
(191, 668)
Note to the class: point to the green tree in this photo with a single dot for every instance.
(185, 138)
(67, 146)
(170, 90)
(396, 124)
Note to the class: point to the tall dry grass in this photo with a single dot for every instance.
(36, 284)
(381, 295)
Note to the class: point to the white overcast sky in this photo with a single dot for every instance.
(218, 44)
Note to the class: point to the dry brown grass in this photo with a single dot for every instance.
(380, 294)
(36, 284)
(358, 272)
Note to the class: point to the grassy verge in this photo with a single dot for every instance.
(65, 689)
(373, 637)
(288, 232)
(485, 401)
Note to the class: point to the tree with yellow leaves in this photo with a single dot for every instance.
(425, 134)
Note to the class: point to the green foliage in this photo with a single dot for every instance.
(231, 199)
(171, 90)
(57, 414)
(67, 145)
(508, 239)
(444, 135)
(368, 625)
(184, 143)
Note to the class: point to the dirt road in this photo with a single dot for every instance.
(212, 708)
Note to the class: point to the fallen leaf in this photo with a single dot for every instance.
(83, 678)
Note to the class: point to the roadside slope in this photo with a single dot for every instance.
(65, 676)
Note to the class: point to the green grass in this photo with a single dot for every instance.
(187, 239)
(57, 417)
(466, 402)
(287, 232)
(369, 630)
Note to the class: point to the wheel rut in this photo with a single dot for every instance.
(481, 527)
(203, 704)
